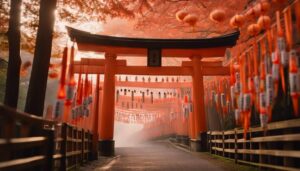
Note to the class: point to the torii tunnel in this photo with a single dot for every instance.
(110, 108)
(197, 98)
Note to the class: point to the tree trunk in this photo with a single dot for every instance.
(39, 74)
(14, 61)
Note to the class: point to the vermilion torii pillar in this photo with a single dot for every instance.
(198, 144)
(106, 143)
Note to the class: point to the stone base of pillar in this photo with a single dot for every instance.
(200, 144)
(106, 147)
(185, 140)
(178, 138)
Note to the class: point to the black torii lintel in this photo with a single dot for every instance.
(84, 37)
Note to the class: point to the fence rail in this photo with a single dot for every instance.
(28, 142)
(276, 148)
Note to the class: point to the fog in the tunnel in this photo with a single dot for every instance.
(126, 134)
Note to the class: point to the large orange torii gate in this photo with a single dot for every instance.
(195, 49)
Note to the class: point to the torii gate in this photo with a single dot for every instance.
(195, 49)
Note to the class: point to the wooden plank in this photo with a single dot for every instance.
(22, 163)
(217, 148)
(277, 138)
(242, 140)
(23, 143)
(25, 117)
(229, 141)
(279, 153)
(230, 132)
(227, 150)
(72, 153)
(22, 140)
(216, 133)
(269, 166)
(293, 123)
(57, 156)
(217, 141)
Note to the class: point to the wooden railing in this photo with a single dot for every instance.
(277, 148)
(28, 142)
(73, 147)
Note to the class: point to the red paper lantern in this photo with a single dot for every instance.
(53, 75)
(265, 6)
(180, 15)
(191, 19)
(217, 15)
(237, 21)
(264, 22)
(253, 29)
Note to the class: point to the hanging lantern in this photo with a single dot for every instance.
(269, 90)
(59, 108)
(151, 97)
(217, 16)
(180, 15)
(253, 29)
(262, 110)
(71, 83)
(250, 13)
(264, 22)
(293, 70)
(257, 9)
(191, 19)
(53, 74)
(237, 113)
(237, 20)
(265, 6)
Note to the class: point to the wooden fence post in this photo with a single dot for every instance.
(235, 146)
(50, 149)
(82, 146)
(223, 144)
(63, 146)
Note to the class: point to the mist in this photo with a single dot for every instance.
(126, 134)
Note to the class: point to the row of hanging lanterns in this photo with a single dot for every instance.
(156, 79)
(268, 66)
(79, 96)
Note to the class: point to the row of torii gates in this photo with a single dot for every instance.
(194, 49)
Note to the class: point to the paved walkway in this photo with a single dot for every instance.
(164, 156)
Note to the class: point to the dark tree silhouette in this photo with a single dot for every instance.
(14, 63)
(39, 74)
